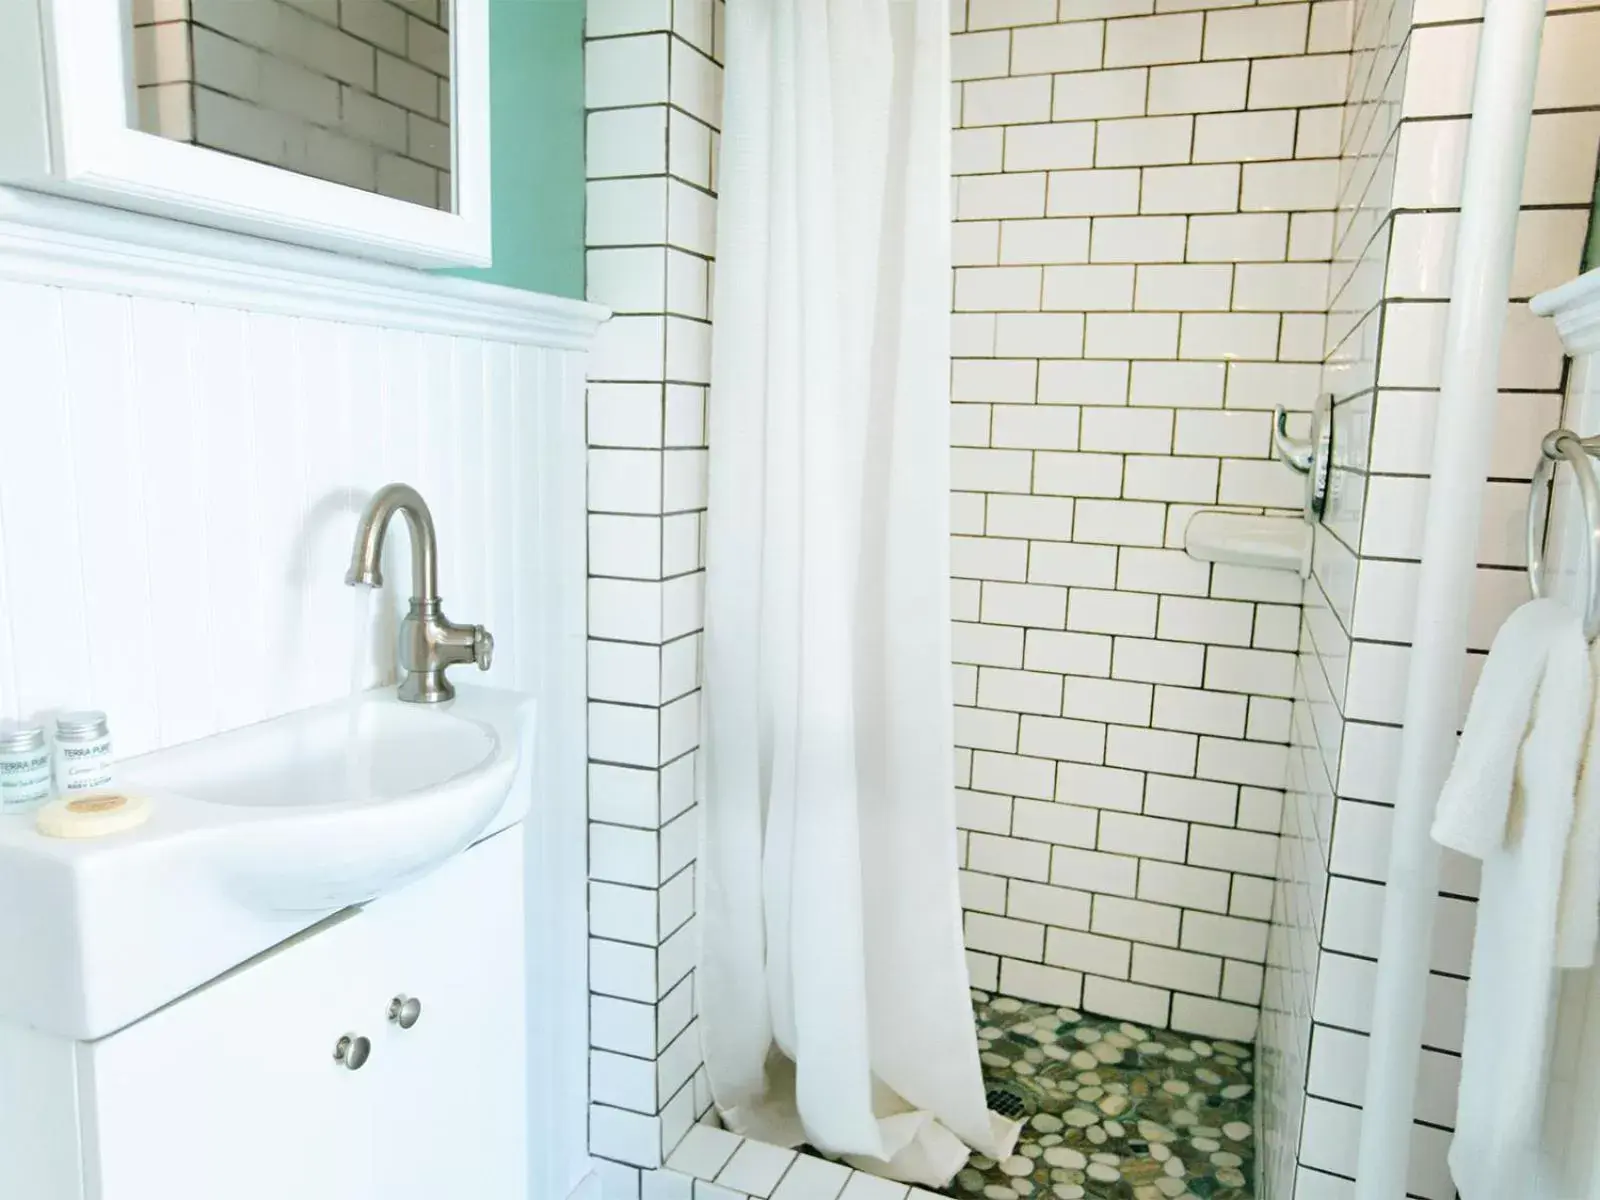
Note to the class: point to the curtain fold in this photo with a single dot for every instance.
(833, 986)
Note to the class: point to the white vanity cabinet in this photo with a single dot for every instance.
(172, 998)
(235, 1090)
(451, 1105)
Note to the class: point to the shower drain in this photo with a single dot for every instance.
(1006, 1102)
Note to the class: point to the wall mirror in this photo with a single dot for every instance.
(354, 125)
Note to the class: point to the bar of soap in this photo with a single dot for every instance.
(92, 815)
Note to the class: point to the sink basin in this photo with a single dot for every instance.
(366, 752)
(341, 802)
(254, 835)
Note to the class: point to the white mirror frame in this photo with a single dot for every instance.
(64, 128)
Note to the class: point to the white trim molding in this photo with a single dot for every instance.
(51, 240)
(1575, 309)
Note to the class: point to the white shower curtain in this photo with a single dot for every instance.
(833, 990)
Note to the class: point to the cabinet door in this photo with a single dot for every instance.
(234, 1091)
(452, 1111)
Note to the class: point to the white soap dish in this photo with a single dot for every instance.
(1246, 540)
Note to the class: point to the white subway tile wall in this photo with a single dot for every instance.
(1130, 302)
(653, 88)
(1166, 224)
(1403, 137)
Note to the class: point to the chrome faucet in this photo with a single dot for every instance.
(428, 641)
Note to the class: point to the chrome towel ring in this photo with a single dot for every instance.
(1563, 443)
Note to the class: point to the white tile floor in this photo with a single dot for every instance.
(713, 1164)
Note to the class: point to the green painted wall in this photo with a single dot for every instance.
(536, 103)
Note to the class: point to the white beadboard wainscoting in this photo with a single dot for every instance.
(191, 423)
(179, 485)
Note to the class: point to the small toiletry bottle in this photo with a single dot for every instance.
(83, 752)
(24, 767)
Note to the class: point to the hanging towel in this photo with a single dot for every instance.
(1578, 925)
(1510, 802)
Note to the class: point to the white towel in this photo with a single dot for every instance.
(1578, 924)
(1510, 801)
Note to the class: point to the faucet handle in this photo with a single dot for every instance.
(482, 647)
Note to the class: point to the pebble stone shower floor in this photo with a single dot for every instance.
(1112, 1111)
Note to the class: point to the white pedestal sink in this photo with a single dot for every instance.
(254, 835)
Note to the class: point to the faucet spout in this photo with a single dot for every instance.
(365, 567)
(429, 642)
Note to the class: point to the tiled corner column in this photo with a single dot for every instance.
(1361, 235)
(653, 94)
(1405, 141)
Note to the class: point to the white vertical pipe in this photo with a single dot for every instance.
(1502, 104)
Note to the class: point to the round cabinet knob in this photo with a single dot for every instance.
(404, 1011)
(483, 647)
(353, 1051)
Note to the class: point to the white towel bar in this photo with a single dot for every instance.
(1557, 444)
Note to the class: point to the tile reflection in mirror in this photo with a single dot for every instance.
(355, 92)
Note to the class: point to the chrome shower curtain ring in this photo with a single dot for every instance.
(1558, 444)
